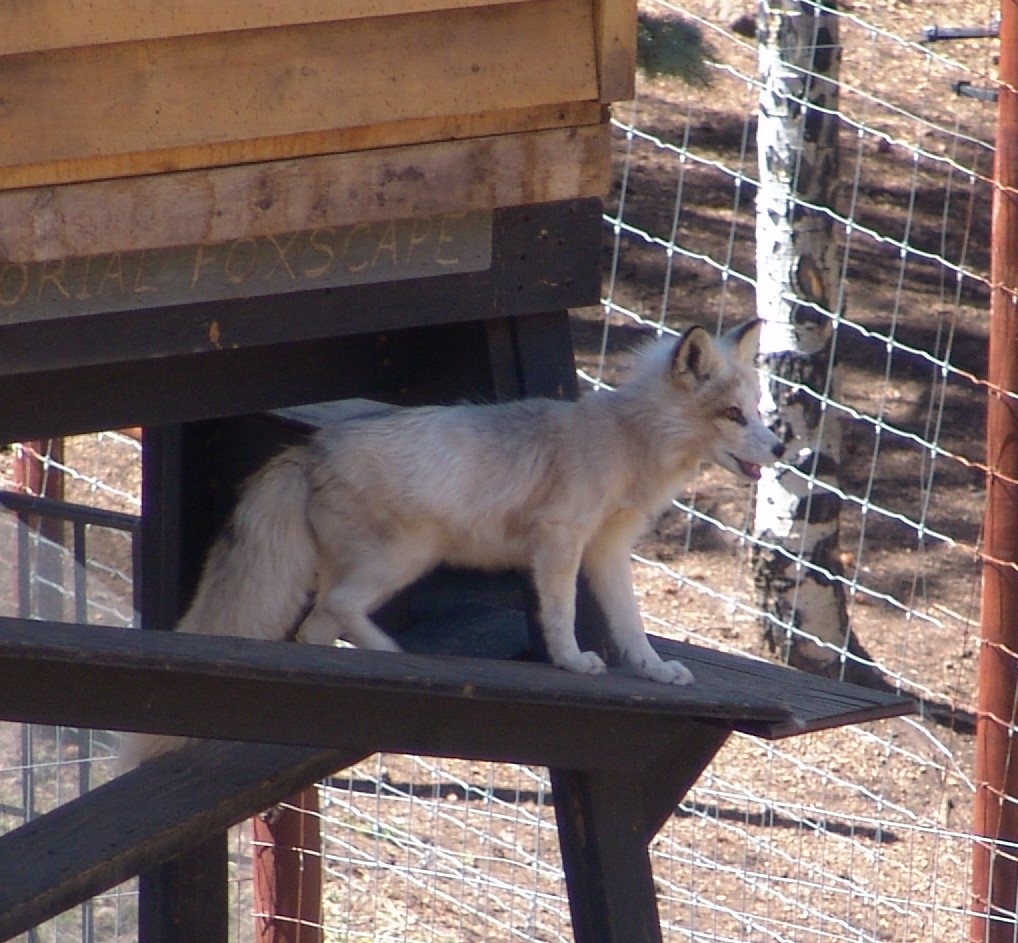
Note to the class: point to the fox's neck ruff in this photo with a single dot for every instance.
(663, 449)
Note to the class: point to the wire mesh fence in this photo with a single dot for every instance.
(73, 559)
(854, 835)
(863, 833)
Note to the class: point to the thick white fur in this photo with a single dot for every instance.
(344, 522)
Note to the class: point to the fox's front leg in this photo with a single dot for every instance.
(609, 572)
(555, 566)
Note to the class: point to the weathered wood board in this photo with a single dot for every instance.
(249, 266)
(222, 204)
(203, 85)
(59, 24)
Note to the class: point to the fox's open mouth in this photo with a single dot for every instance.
(749, 469)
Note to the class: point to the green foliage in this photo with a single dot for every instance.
(674, 47)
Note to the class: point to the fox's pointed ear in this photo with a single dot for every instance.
(694, 358)
(745, 340)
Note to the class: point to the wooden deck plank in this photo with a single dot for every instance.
(126, 679)
(814, 703)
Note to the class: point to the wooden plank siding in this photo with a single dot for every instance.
(615, 25)
(205, 207)
(209, 99)
(60, 24)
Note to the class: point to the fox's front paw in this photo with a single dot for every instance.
(667, 672)
(584, 663)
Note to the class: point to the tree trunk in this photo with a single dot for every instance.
(805, 618)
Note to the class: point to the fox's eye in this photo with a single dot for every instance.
(734, 414)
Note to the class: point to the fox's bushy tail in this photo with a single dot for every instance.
(258, 580)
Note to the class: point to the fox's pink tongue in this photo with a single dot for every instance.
(750, 470)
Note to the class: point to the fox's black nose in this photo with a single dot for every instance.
(778, 450)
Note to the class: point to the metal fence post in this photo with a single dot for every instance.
(288, 872)
(36, 471)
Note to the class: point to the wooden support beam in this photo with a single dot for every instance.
(142, 819)
(287, 863)
(606, 821)
(605, 856)
(185, 898)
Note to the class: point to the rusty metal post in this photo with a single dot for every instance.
(288, 872)
(32, 475)
(994, 864)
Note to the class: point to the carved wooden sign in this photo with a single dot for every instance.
(327, 257)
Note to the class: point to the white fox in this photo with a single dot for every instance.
(330, 530)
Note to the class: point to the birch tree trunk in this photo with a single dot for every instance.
(805, 618)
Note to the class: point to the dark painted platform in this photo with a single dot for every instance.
(630, 743)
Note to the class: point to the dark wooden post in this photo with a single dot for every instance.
(184, 899)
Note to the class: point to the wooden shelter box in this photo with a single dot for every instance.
(170, 172)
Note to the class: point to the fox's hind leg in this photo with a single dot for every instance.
(322, 627)
(345, 601)
(342, 612)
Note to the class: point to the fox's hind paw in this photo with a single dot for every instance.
(585, 663)
(668, 672)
